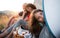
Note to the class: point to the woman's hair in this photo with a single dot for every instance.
(31, 5)
(34, 25)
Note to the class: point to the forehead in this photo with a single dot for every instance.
(38, 13)
(24, 5)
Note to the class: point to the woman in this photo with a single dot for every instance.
(31, 7)
(37, 26)
(35, 18)
(27, 9)
(26, 12)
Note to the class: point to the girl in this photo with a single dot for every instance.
(37, 25)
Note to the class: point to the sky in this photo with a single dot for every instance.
(13, 5)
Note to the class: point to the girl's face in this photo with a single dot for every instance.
(39, 16)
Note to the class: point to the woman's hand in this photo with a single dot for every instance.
(26, 18)
(24, 12)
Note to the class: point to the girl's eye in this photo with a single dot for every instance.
(40, 13)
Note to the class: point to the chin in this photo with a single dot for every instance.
(41, 21)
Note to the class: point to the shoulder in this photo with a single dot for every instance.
(45, 33)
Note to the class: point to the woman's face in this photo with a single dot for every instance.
(29, 9)
(39, 16)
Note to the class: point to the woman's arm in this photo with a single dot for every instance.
(7, 31)
(3, 34)
(11, 21)
(18, 23)
(11, 33)
(24, 12)
(8, 24)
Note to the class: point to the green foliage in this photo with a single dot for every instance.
(1, 26)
